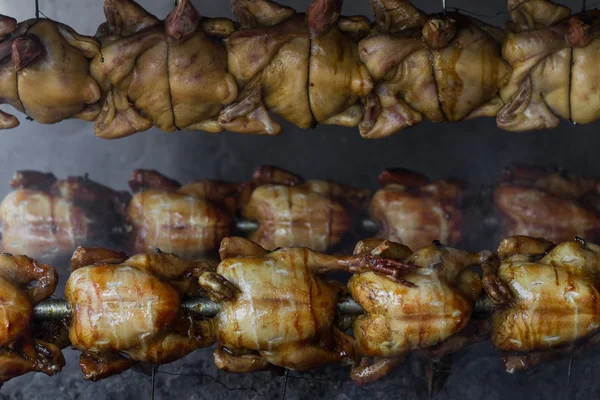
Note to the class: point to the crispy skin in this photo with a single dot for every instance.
(47, 218)
(415, 212)
(23, 283)
(400, 318)
(554, 298)
(550, 204)
(132, 309)
(292, 216)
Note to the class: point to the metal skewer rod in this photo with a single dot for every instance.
(247, 226)
(57, 309)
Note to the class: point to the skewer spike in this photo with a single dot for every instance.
(569, 370)
(284, 385)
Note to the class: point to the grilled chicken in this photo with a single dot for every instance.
(414, 211)
(48, 218)
(127, 310)
(172, 74)
(278, 310)
(189, 220)
(430, 308)
(424, 68)
(554, 291)
(553, 56)
(24, 283)
(540, 202)
(304, 68)
(44, 72)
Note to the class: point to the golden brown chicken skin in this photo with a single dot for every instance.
(423, 68)
(127, 310)
(553, 56)
(304, 68)
(540, 202)
(554, 291)
(429, 313)
(293, 212)
(48, 218)
(189, 220)
(24, 283)
(414, 211)
(278, 310)
(172, 74)
(44, 72)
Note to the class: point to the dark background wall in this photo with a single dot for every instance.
(475, 151)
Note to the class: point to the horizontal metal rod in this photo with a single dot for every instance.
(247, 226)
(57, 309)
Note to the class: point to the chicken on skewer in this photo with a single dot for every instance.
(24, 283)
(554, 291)
(540, 202)
(554, 58)
(128, 310)
(189, 220)
(172, 74)
(277, 309)
(47, 218)
(414, 211)
(304, 68)
(44, 72)
(423, 67)
(432, 314)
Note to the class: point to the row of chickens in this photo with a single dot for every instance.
(193, 73)
(279, 310)
(47, 218)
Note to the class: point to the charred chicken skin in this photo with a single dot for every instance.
(44, 72)
(188, 220)
(554, 291)
(277, 309)
(127, 310)
(434, 308)
(546, 203)
(414, 211)
(47, 218)
(23, 284)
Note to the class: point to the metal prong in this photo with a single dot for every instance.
(51, 309)
(246, 226)
(569, 370)
(369, 225)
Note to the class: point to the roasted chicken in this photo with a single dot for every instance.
(541, 202)
(430, 307)
(44, 72)
(554, 58)
(553, 297)
(171, 74)
(304, 68)
(48, 218)
(23, 284)
(414, 211)
(127, 310)
(189, 220)
(424, 68)
(278, 310)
